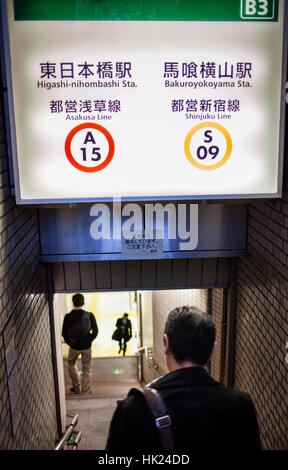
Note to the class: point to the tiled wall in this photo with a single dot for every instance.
(262, 319)
(27, 392)
(217, 312)
(163, 302)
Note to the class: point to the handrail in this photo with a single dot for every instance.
(67, 433)
(151, 363)
(76, 441)
(144, 349)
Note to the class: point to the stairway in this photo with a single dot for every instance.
(109, 369)
(112, 379)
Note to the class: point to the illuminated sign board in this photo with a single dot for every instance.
(145, 100)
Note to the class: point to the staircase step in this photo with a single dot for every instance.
(111, 369)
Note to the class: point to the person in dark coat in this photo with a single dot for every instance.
(125, 332)
(80, 344)
(205, 415)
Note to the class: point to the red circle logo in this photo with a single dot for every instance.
(107, 159)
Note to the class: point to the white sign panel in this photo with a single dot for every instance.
(142, 248)
(146, 106)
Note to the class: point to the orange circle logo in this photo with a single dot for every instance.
(205, 148)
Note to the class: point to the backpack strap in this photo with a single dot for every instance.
(160, 414)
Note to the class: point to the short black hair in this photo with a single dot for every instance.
(78, 300)
(191, 335)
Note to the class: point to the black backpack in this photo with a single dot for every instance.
(80, 328)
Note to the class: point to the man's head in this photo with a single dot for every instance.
(78, 300)
(125, 316)
(190, 334)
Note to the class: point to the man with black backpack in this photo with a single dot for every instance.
(79, 331)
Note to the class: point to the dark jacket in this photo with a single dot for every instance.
(84, 343)
(125, 328)
(204, 414)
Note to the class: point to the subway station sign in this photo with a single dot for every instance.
(145, 100)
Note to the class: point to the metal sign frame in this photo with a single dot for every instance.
(12, 144)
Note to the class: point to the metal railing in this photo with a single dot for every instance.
(70, 438)
(149, 359)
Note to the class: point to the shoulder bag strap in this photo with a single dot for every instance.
(162, 418)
